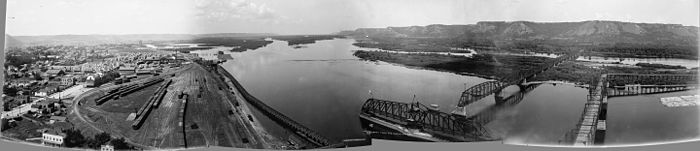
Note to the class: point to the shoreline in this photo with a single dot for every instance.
(313, 137)
(257, 126)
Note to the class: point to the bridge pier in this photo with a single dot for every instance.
(497, 96)
(500, 99)
(522, 86)
(601, 126)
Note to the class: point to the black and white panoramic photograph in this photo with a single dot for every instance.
(342, 74)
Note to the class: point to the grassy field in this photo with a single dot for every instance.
(572, 71)
(24, 129)
(586, 72)
(130, 103)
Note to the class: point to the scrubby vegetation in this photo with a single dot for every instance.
(660, 66)
(241, 43)
(576, 71)
(646, 51)
(75, 139)
(483, 65)
(304, 39)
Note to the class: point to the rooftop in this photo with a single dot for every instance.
(55, 131)
(58, 118)
(53, 71)
(48, 89)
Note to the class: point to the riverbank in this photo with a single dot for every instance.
(304, 39)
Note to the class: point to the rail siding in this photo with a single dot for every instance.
(150, 105)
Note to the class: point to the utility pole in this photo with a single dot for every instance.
(414, 98)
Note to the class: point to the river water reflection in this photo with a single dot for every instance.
(643, 119)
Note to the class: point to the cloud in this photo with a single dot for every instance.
(224, 10)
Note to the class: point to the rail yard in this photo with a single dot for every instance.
(182, 108)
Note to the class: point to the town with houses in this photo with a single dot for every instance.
(40, 90)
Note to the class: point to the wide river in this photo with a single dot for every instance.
(323, 86)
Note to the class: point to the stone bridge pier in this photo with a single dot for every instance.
(499, 98)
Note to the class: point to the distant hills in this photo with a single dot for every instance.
(105, 39)
(12, 42)
(565, 33)
(604, 36)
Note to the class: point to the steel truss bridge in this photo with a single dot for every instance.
(455, 126)
(479, 91)
(443, 126)
(415, 115)
(489, 114)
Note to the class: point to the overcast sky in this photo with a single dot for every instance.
(52, 17)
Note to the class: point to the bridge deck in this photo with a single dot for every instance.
(590, 122)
